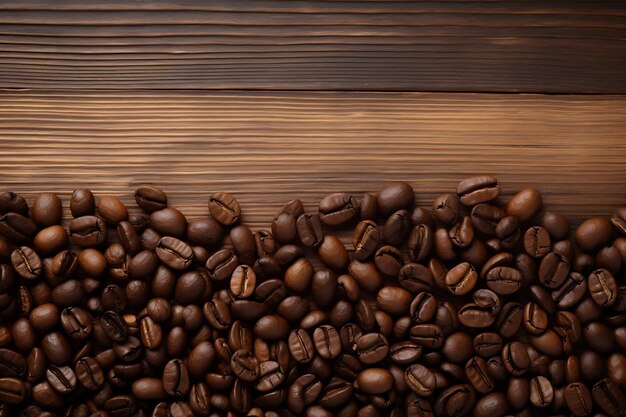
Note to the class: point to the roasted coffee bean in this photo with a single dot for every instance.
(50, 240)
(537, 241)
(62, 379)
(27, 263)
(462, 233)
(150, 198)
(446, 208)
(485, 218)
(224, 208)
(487, 344)
(388, 260)
(89, 373)
(504, 280)
(571, 291)
(420, 242)
(508, 232)
(429, 336)
(423, 307)
(368, 206)
(12, 391)
(375, 381)
(309, 229)
(174, 253)
(593, 233)
(366, 275)
(515, 358)
(421, 380)
(578, 399)
(478, 375)
(17, 228)
(553, 270)
(365, 239)
(475, 190)
(12, 364)
(244, 244)
(602, 287)
(372, 348)
(535, 318)
(461, 279)
(393, 300)
(327, 341)
(271, 327)
(395, 196)
(11, 202)
(76, 323)
(88, 231)
(176, 378)
(397, 227)
(475, 316)
(338, 208)
(541, 392)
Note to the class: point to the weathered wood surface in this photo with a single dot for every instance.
(501, 46)
(269, 147)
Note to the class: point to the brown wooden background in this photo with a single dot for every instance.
(270, 99)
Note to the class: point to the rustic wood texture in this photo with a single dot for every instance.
(267, 148)
(494, 46)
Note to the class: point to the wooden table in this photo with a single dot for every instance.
(271, 100)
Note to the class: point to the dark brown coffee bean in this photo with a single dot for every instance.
(578, 399)
(365, 239)
(206, 232)
(150, 198)
(473, 315)
(11, 202)
(397, 228)
(423, 307)
(602, 287)
(270, 376)
(515, 358)
(504, 280)
(50, 240)
(271, 327)
(89, 373)
(301, 346)
(571, 291)
(429, 336)
(12, 364)
(487, 344)
(485, 218)
(375, 381)
(333, 253)
(537, 241)
(415, 277)
(27, 263)
(309, 229)
(62, 379)
(395, 196)
(508, 232)
(372, 348)
(46, 210)
(303, 392)
(76, 323)
(541, 392)
(593, 233)
(12, 391)
(420, 242)
(244, 244)
(608, 396)
(243, 281)
(176, 378)
(327, 341)
(388, 260)
(446, 208)
(461, 279)
(480, 189)
(112, 210)
(16, 228)
(478, 375)
(366, 275)
(245, 365)
(224, 208)
(88, 231)
(525, 204)
(421, 380)
(174, 253)
(338, 208)
(535, 318)
(462, 233)
(393, 300)
(369, 207)
(169, 222)
(120, 406)
(553, 270)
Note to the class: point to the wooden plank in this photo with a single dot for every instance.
(494, 46)
(267, 148)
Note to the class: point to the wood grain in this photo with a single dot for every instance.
(494, 46)
(267, 148)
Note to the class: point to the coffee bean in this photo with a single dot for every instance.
(271, 327)
(515, 358)
(462, 233)
(420, 379)
(365, 239)
(393, 300)
(224, 208)
(609, 398)
(26, 262)
(244, 244)
(475, 316)
(446, 208)
(46, 210)
(327, 341)
(176, 378)
(415, 277)
(541, 392)
(372, 348)
(88, 231)
(397, 227)
(12, 364)
(82, 203)
(485, 218)
(11, 202)
(338, 208)
(423, 307)
(602, 287)
(395, 196)
(461, 279)
(487, 344)
(332, 253)
(388, 260)
(309, 229)
(50, 240)
(537, 241)
(375, 380)
(477, 374)
(571, 291)
(12, 391)
(553, 270)
(270, 376)
(174, 253)
(420, 242)
(89, 373)
(366, 275)
(17, 228)
(62, 379)
(504, 280)
(593, 233)
(429, 336)
(369, 207)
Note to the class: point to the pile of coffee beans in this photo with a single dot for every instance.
(471, 306)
